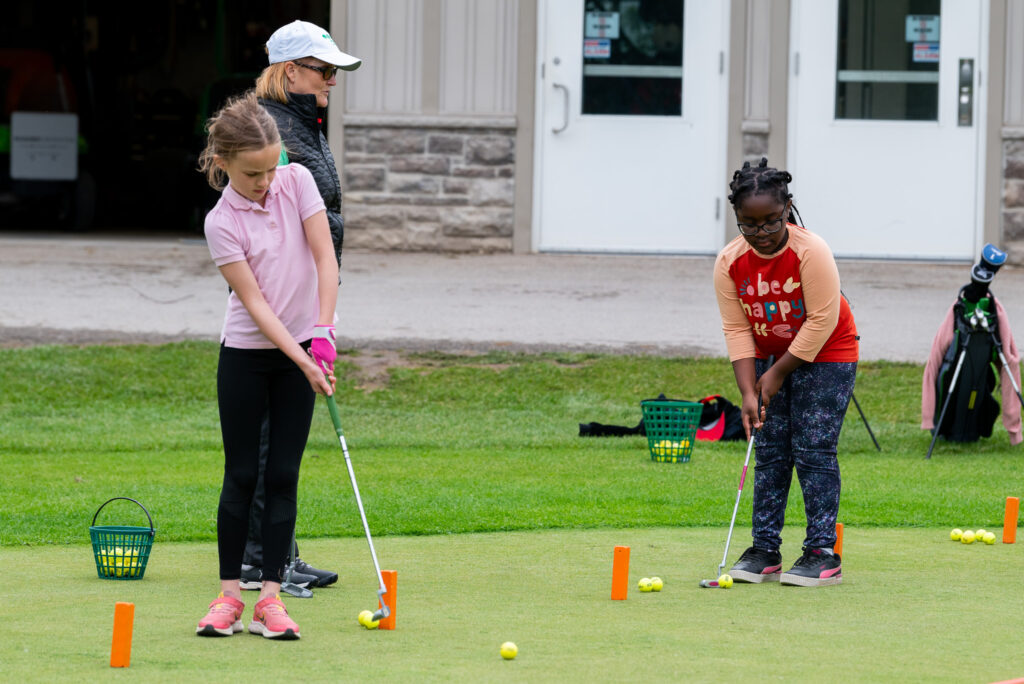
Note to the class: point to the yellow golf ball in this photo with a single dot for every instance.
(956, 534)
(989, 538)
(119, 562)
(656, 584)
(725, 581)
(509, 650)
(967, 537)
(980, 533)
(364, 617)
(645, 584)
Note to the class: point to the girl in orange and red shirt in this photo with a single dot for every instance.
(778, 294)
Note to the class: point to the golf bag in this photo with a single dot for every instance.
(973, 346)
(972, 409)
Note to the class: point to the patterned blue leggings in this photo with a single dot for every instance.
(801, 429)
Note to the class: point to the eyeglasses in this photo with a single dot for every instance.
(769, 227)
(326, 71)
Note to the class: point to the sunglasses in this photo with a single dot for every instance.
(327, 72)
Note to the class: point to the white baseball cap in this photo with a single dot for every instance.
(302, 39)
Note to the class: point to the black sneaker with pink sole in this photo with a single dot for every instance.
(815, 568)
(756, 566)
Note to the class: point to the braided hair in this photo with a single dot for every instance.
(763, 180)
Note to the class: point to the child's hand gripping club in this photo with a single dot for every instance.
(323, 348)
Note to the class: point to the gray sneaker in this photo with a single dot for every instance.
(323, 577)
(252, 579)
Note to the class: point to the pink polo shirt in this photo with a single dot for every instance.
(271, 239)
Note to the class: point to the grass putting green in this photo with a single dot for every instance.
(501, 523)
(914, 606)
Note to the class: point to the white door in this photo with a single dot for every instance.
(631, 115)
(885, 124)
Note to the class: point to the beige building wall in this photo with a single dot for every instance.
(431, 126)
(434, 133)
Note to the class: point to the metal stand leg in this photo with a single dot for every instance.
(1006, 367)
(864, 418)
(949, 395)
(1002, 357)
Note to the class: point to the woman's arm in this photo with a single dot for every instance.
(318, 235)
(241, 279)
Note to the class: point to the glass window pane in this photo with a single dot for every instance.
(633, 57)
(887, 65)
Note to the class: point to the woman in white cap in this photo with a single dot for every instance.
(295, 89)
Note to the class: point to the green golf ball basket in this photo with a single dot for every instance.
(671, 428)
(121, 551)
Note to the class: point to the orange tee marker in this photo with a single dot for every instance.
(390, 597)
(620, 573)
(838, 548)
(1010, 519)
(121, 646)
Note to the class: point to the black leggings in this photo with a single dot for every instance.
(251, 384)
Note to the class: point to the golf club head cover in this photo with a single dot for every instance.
(323, 348)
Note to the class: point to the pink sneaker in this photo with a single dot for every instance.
(270, 618)
(223, 619)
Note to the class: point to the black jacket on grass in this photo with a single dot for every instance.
(300, 123)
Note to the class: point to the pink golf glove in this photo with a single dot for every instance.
(323, 348)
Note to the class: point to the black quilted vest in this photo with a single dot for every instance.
(304, 141)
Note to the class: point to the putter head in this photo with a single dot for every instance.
(709, 584)
(288, 586)
(295, 590)
(384, 610)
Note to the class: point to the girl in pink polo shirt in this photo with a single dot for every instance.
(778, 294)
(269, 237)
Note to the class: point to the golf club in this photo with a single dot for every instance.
(288, 586)
(384, 611)
(713, 583)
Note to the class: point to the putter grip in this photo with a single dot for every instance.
(332, 408)
(760, 400)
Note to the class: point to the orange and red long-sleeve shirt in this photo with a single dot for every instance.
(788, 301)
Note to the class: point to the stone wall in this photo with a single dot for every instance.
(1013, 198)
(429, 189)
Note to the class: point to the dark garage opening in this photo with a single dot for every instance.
(141, 78)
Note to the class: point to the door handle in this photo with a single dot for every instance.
(565, 116)
(965, 93)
